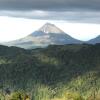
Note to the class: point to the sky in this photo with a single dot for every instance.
(78, 18)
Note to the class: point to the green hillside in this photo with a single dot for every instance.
(58, 72)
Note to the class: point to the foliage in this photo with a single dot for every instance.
(2, 96)
(19, 95)
(50, 73)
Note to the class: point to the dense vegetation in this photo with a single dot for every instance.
(64, 72)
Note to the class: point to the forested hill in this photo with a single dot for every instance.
(59, 67)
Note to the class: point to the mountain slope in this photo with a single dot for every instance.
(47, 35)
(95, 40)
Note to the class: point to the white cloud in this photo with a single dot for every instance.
(15, 28)
(81, 31)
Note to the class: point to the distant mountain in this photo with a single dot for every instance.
(48, 34)
(95, 40)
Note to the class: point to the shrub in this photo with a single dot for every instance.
(2, 97)
(19, 95)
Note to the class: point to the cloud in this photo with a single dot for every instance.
(49, 4)
(82, 11)
(71, 16)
